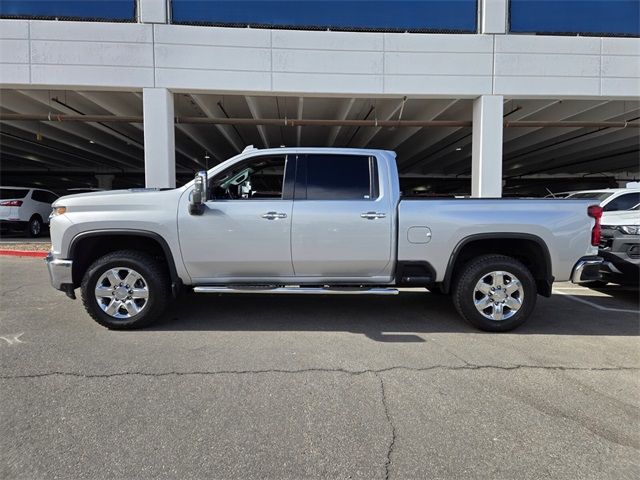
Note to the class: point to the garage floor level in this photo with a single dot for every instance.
(309, 387)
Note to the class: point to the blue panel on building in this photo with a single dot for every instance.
(121, 10)
(595, 17)
(396, 15)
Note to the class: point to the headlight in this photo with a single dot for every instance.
(57, 211)
(630, 229)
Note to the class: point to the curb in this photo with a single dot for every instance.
(23, 253)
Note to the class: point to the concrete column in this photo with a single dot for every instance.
(493, 16)
(486, 148)
(159, 138)
(152, 11)
(105, 181)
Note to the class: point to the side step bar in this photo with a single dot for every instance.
(297, 290)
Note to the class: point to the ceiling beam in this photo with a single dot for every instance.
(66, 139)
(580, 149)
(255, 113)
(432, 110)
(531, 111)
(212, 109)
(514, 112)
(343, 114)
(556, 111)
(84, 132)
(383, 113)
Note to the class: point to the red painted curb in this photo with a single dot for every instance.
(24, 253)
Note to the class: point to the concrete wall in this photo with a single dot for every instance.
(241, 60)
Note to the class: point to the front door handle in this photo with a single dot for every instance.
(274, 215)
(372, 215)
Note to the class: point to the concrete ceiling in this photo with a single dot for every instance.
(67, 155)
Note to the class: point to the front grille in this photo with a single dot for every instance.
(634, 251)
(606, 237)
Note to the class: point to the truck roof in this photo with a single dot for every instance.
(343, 150)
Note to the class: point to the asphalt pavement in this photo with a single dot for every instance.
(293, 387)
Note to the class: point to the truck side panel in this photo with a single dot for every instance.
(563, 225)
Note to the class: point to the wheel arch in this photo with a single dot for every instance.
(87, 246)
(528, 248)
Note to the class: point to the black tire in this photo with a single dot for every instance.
(154, 275)
(34, 227)
(481, 267)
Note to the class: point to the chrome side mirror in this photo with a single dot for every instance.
(198, 194)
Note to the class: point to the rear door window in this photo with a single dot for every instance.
(51, 197)
(339, 177)
(43, 196)
(12, 193)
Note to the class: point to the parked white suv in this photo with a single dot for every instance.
(611, 199)
(25, 208)
(620, 241)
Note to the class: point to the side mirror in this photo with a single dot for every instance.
(199, 194)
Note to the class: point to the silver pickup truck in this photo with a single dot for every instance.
(315, 221)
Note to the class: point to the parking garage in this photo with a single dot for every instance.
(549, 145)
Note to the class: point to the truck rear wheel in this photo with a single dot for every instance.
(495, 293)
(126, 289)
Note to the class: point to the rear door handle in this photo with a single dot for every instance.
(274, 215)
(372, 215)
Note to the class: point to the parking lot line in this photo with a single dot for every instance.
(595, 305)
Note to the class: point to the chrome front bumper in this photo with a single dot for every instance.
(60, 273)
(587, 270)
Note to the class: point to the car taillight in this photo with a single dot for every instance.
(11, 203)
(595, 211)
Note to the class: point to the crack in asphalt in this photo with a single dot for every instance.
(4, 293)
(387, 413)
(375, 372)
(468, 366)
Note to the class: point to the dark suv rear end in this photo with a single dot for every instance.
(621, 253)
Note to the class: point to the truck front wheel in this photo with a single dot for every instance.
(126, 289)
(495, 293)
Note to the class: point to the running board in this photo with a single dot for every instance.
(297, 290)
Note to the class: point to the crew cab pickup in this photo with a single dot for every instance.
(315, 221)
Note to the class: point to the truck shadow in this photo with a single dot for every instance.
(384, 319)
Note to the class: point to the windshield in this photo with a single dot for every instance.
(12, 193)
(600, 196)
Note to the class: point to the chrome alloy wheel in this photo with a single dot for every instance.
(498, 295)
(121, 292)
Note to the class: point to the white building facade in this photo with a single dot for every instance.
(158, 58)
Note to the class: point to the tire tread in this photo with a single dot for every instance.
(157, 272)
(470, 271)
